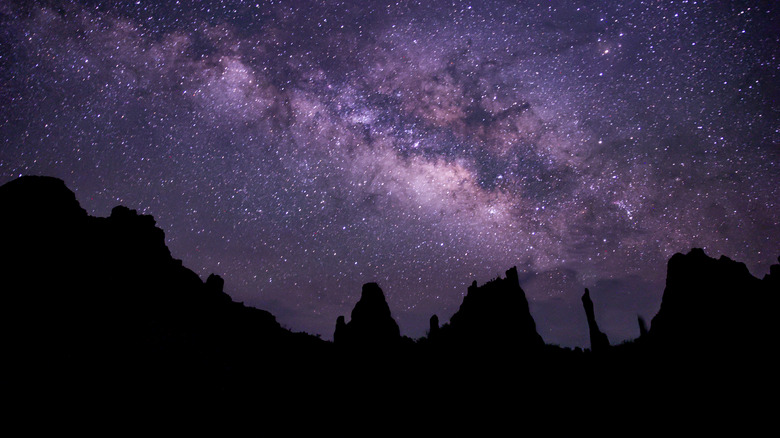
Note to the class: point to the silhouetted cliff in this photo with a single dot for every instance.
(79, 291)
(715, 306)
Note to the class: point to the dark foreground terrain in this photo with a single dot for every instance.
(96, 313)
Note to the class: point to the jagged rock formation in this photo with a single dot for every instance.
(98, 306)
(79, 290)
(715, 306)
(598, 340)
(493, 316)
(372, 325)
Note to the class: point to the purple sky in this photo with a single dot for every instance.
(301, 149)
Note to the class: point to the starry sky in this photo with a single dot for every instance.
(302, 148)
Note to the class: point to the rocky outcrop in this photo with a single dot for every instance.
(598, 340)
(372, 324)
(99, 306)
(78, 290)
(494, 316)
(714, 306)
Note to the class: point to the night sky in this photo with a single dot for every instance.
(300, 149)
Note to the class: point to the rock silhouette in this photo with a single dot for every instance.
(98, 306)
(642, 326)
(79, 291)
(714, 305)
(493, 316)
(598, 340)
(372, 325)
(433, 331)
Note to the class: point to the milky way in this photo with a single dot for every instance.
(301, 149)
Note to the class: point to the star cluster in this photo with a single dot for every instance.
(300, 148)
